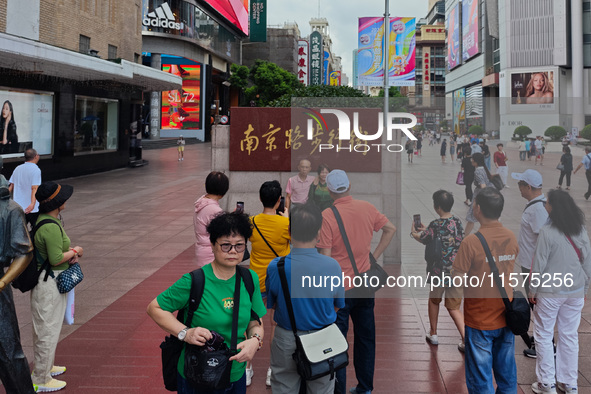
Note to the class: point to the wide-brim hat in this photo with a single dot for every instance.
(51, 196)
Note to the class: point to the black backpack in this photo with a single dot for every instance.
(28, 279)
(172, 347)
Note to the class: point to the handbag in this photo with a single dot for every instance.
(460, 178)
(560, 167)
(207, 370)
(69, 278)
(434, 253)
(517, 312)
(375, 270)
(317, 354)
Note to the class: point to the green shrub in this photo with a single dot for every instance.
(586, 132)
(523, 131)
(555, 132)
(478, 130)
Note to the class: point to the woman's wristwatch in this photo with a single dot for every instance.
(259, 338)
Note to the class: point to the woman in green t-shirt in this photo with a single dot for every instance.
(318, 193)
(48, 305)
(228, 233)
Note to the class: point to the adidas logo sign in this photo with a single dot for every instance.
(162, 17)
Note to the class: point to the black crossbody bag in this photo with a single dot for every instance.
(517, 312)
(317, 354)
(375, 269)
(264, 239)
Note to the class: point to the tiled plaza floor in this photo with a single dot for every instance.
(136, 228)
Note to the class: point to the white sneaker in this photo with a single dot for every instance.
(249, 374)
(567, 388)
(52, 385)
(268, 380)
(57, 370)
(545, 388)
(432, 339)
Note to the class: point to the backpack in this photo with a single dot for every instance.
(172, 347)
(28, 279)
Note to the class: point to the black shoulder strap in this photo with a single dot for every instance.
(197, 287)
(263, 237)
(45, 265)
(532, 203)
(337, 215)
(249, 285)
(494, 270)
(286, 296)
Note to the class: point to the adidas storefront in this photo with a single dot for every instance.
(193, 40)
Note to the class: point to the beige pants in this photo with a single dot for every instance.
(48, 307)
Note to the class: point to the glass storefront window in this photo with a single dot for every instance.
(96, 125)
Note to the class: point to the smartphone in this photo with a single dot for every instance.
(240, 206)
(281, 206)
(417, 220)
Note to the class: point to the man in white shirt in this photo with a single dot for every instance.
(24, 182)
(539, 150)
(533, 218)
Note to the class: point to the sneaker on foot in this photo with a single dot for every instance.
(567, 388)
(353, 390)
(249, 374)
(57, 370)
(35, 387)
(268, 380)
(548, 388)
(531, 353)
(432, 339)
(462, 347)
(52, 385)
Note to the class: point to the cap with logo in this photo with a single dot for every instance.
(337, 181)
(531, 177)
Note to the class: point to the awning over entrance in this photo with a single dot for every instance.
(30, 56)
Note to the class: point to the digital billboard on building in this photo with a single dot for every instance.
(453, 38)
(470, 29)
(235, 11)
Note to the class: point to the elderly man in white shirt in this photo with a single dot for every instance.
(534, 217)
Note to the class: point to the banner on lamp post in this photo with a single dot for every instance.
(258, 20)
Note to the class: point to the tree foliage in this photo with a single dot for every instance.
(523, 131)
(586, 132)
(263, 82)
(476, 129)
(319, 91)
(555, 132)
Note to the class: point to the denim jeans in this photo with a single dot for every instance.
(364, 346)
(237, 387)
(488, 352)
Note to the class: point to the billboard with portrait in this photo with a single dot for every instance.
(470, 29)
(533, 88)
(401, 51)
(26, 122)
(235, 11)
(453, 38)
(181, 109)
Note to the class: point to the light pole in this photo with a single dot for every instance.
(386, 52)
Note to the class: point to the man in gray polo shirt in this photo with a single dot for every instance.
(533, 218)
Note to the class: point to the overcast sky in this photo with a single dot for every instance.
(342, 18)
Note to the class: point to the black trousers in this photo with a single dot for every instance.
(562, 174)
(588, 174)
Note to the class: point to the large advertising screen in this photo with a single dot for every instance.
(402, 45)
(453, 38)
(459, 111)
(26, 122)
(181, 109)
(534, 88)
(235, 11)
(470, 28)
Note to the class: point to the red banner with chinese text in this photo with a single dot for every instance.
(276, 139)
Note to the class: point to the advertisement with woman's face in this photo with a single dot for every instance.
(26, 121)
(533, 88)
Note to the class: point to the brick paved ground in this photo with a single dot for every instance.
(136, 228)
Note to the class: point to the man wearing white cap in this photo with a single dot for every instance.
(360, 220)
(533, 218)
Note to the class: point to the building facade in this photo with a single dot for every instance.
(72, 76)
